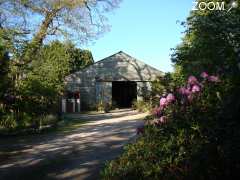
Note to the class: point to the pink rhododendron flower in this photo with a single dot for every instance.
(204, 75)
(170, 98)
(192, 80)
(163, 102)
(196, 89)
(184, 91)
(213, 79)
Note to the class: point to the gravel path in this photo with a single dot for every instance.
(79, 154)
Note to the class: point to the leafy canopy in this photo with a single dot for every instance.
(78, 19)
(211, 43)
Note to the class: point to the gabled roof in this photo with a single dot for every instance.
(118, 67)
(124, 56)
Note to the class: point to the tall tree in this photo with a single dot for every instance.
(35, 20)
(4, 70)
(211, 43)
(79, 58)
(36, 71)
(42, 86)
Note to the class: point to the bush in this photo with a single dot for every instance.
(7, 122)
(141, 106)
(49, 120)
(9, 125)
(103, 107)
(194, 135)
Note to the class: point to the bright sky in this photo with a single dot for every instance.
(145, 30)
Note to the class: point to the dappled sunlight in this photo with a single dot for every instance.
(79, 153)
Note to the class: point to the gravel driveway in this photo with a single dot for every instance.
(79, 154)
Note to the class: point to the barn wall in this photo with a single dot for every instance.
(93, 93)
(104, 92)
(94, 82)
(86, 84)
(143, 89)
(88, 98)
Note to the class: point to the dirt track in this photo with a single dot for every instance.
(79, 154)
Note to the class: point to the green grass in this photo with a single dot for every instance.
(93, 112)
(64, 126)
(67, 125)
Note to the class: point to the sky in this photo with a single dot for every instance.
(146, 30)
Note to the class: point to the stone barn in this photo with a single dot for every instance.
(117, 80)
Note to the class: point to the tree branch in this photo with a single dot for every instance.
(90, 12)
(26, 4)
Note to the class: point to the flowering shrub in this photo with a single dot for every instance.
(193, 135)
(183, 96)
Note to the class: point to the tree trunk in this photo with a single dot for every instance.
(38, 38)
(42, 32)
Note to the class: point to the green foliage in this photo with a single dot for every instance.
(7, 120)
(49, 120)
(200, 140)
(43, 84)
(40, 85)
(32, 81)
(4, 68)
(79, 58)
(167, 83)
(201, 137)
(211, 43)
(100, 106)
(141, 106)
(104, 106)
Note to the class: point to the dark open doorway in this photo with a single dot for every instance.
(124, 93)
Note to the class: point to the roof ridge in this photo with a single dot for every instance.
(120, 52)
(108, 57)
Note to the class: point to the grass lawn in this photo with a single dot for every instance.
(69, 124)
(65, 125)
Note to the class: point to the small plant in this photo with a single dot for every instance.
(100, 106)
(8, 121)
(141, 106)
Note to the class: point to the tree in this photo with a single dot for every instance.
(42, 86)
(80, 20)
(37, 72)
(5, 86)
(4, 74)
(79, 58)
(43, 83)
(211, 43)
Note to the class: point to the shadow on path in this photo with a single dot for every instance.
(80, 154)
